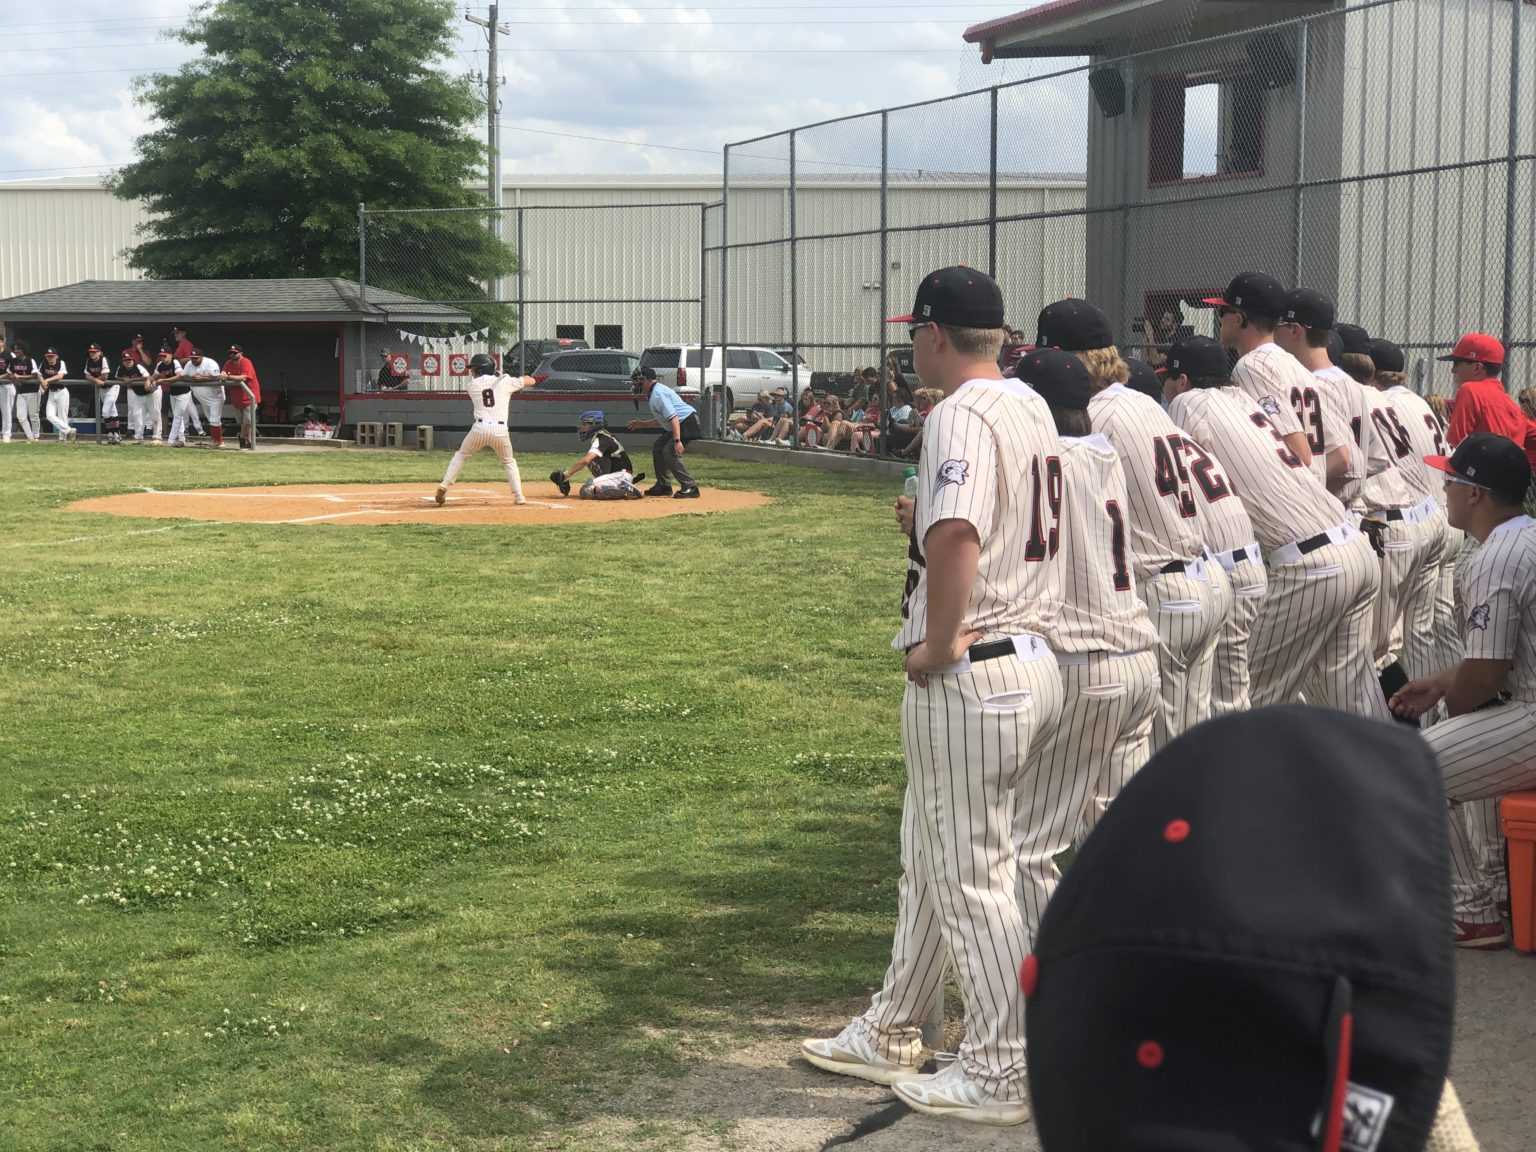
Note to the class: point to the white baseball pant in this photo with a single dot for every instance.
(144, 414)
(181, 416)
(1482, 756)
(1102, 739)
(210, 401)
(486, 434)
(27, 415)
(7, 409)
(57, 410)
(1314, 631)
(967, 737)
(606, 481)
(1421, 607)
(1229, 667)
(109, 396)
(1410, 553)
(1188, 610)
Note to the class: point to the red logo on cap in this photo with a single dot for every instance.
(1177, 831)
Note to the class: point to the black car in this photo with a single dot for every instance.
(533, 352)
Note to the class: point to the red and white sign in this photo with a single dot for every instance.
(458, 364)
(400, 364)
(431, 364)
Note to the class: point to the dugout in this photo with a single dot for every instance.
(306, 336)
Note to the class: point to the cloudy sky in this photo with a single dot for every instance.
(590, 85)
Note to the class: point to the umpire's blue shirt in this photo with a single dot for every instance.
(665, 404)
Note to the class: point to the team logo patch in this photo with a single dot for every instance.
(952, 472)
(1365, 1118)
(1270, 405)
(1479, 618)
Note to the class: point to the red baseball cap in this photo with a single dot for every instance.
(1478, 348)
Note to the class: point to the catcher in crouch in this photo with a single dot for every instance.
(612, 474)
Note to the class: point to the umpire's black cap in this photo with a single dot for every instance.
(1254, 293)
(1387, 356)
(1356, 340)
(1252, 951)
(1073, 326)
(1058, 376)
(1196, 356)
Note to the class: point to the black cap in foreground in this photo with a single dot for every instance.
(1058, 376)
(959, 296)
(1387, 356)
(1073, 326)
(1196, 356)
(1308, 307)
(1357, 341)
(1144, 379)
(1256, 293)
(1207, 979)
(1490, 461)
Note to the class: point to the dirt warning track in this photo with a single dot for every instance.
(402, 504)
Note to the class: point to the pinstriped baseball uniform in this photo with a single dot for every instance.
(1107, 649)
(1268, 375)
(1187, 597)
(1313, 631)
(990, 457)
(1492, 751)
(1328, 410)
(1414, 535)
(1235, 547)
(490, 396)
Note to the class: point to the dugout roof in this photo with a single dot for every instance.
(209, 302)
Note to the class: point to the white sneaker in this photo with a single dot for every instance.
(519, 500)
(849, 1054)
(949, 1092)
(70, 435)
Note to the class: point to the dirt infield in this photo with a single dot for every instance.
(401, 504)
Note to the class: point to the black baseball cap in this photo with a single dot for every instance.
(1335, 348)
(1387, 356)
(1144, 379)
(959, 296)
(236, 348)
(1196, 356)
(1073, 326)
(1058, 376)
(1488, 460)
(1256, 293)
(1356, 340)
(1204, 979)
(1308, 307)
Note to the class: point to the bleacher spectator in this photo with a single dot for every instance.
(923, 401)
(760, 419)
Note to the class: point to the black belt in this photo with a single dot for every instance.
(1395, 514)
(990, 650)
(1239, 555)
(1312, 544)
(1173, 567)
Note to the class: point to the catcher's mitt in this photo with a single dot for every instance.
(1373, 530)
(561, 482)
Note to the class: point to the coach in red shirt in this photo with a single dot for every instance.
(1481, 404)
(238, 369)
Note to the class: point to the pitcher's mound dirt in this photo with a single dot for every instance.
(403, 504)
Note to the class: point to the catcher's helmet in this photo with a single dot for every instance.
(481, 364)
(589, 422)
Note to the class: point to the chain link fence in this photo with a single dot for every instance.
(1381, 153)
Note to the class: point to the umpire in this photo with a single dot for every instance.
(679, 424)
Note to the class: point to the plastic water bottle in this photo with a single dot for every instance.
(909, 483)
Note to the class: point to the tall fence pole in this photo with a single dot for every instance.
(703, 279)
(1127, 160)
(1301, 151)
(885, 271)
(794, 275)
(362, 255)
(725, 279)
(992, 188)
(1512, 168)
(522, 299)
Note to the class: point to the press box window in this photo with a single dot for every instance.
(1203, 125)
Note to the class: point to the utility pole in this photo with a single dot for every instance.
(492, 127)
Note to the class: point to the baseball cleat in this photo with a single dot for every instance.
(849, 1054)
(70, 436)
(686, 494)
(660, 488)
(519, 500)
(950, 1092)
(1480, 937)
(441, 495)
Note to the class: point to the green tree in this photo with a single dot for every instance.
(298, 111)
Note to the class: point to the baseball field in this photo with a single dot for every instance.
(432, 835)
(331, 835)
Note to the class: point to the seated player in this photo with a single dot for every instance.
(612, 474)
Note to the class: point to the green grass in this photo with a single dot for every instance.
(421, 837)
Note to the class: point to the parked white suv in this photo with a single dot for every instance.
(748, 371)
